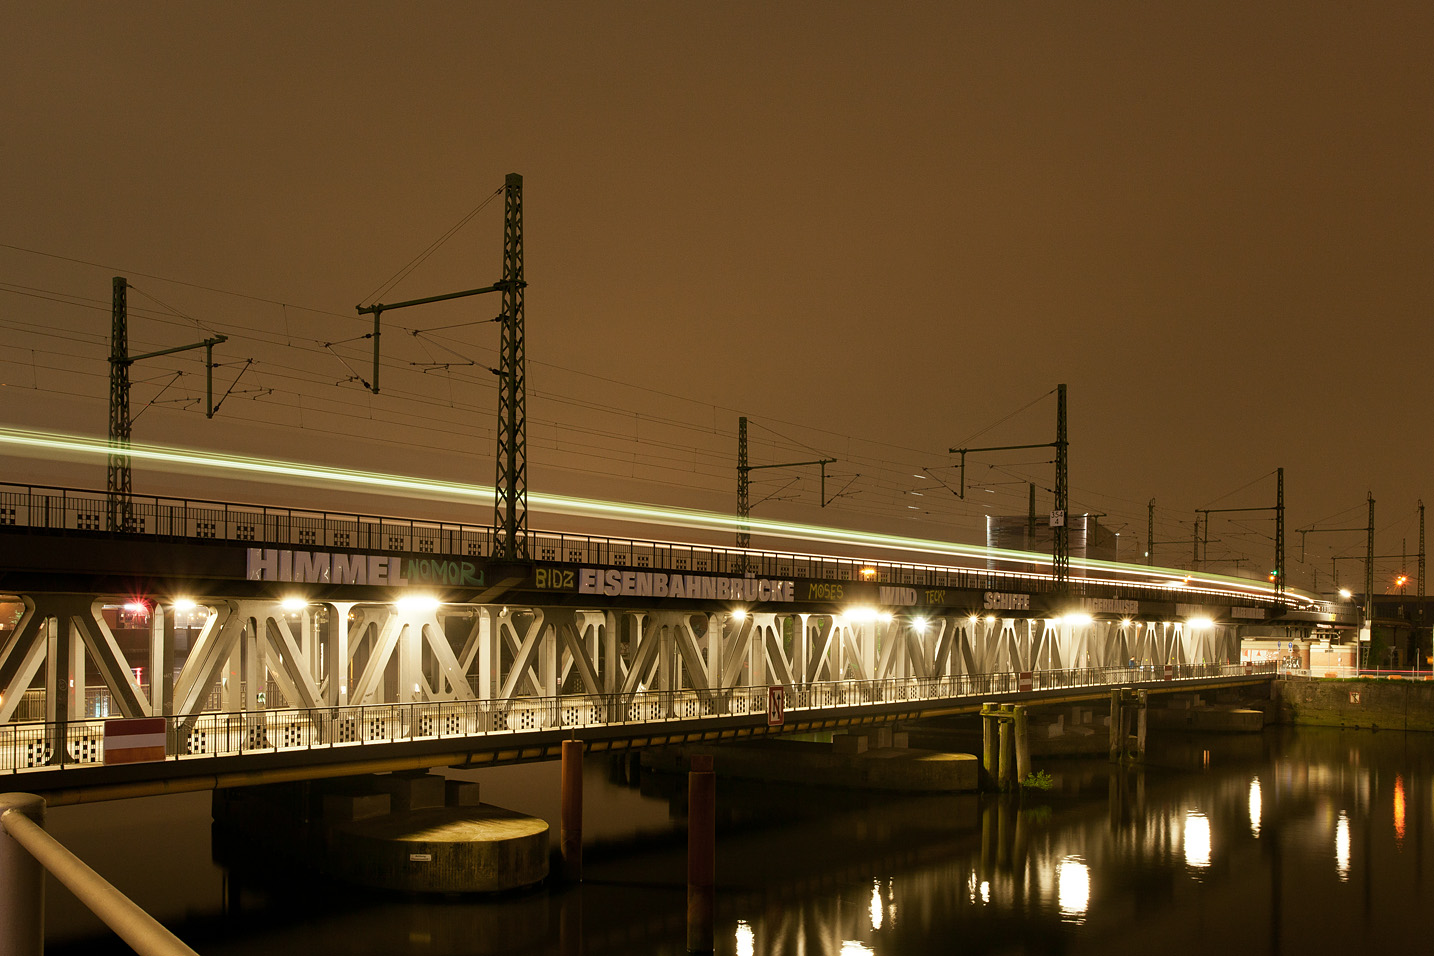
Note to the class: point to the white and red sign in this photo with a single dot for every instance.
(1169, 671)
(1023, 681)
(134, 740)
(776, 704)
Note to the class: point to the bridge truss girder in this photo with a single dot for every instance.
(256, 654)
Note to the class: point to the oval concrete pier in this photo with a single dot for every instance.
(480, 849)
(411, 832)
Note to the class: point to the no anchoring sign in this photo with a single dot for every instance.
(776, 700)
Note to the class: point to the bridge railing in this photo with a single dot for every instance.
(26, 852)
(74, 510)
(38, 745)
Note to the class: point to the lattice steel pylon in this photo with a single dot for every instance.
(1369, 571)
(744, 534)
(1280, 532)
(510, 490)
(1420, 582)
(120, 502)
(1061, 559)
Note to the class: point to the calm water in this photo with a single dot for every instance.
(1299, 841)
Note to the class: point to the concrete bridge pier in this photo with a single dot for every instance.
(1129, 710)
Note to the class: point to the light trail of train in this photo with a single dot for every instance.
(59, 446)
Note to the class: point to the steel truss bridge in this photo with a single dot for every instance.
(279, 638)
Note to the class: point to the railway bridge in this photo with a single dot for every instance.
(216, 639)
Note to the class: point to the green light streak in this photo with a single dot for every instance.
(73, 447)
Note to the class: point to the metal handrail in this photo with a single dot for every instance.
(203, 519)
(365, 725)
(144, 934)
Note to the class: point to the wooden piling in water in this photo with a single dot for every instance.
(1007, 760)
(701, 854)
(989, 753)
(1144, 698)
(1116, 718)
(1023, 744)
(570, 836)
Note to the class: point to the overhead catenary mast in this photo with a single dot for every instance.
(510, 490)
(744, 470)
(510, 506)
(119, 482)
(1061, 546)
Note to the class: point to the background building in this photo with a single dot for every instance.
(1022, 533)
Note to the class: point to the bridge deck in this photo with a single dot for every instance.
(327, 741)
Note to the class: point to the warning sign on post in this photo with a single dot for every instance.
(776, 702)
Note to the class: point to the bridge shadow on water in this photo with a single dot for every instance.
(790, 859)
(1108, 860)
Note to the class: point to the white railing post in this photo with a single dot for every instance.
(22, 881)
(145, 935)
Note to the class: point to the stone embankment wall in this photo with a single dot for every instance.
(1379, 703)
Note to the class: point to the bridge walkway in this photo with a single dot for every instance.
(228, 749)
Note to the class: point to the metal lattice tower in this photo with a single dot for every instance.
(1150, 534)
(510, 491)
(120, 510)
(1369, 573)
(1061, 562)
(744, 535)
(1420, 582)
(1279, 532)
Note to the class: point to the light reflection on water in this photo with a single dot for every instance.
(745, 944)
(1074, 895)
(1149, 858)
(1341, 847)
(1197, 840)
(1398, 808)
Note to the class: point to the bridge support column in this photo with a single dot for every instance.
(22, 882)
(1117, 721)
(571, 833)
(989, 753)
(1128, 709)
(1005, 744)
(161, 661)
(701, 854)
(1007, 761)
(1023, 743)
(64, 683)
(1143, 696)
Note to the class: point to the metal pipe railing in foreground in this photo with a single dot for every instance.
(21, 818)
